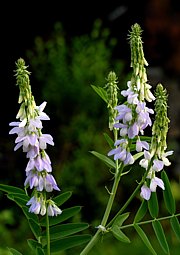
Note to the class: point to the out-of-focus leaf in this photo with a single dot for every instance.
(153, 205)
(167, 194)
(105, 159)
(175, 226)
(160, 235)
(145, 239)
(14, 252)
(141, 211)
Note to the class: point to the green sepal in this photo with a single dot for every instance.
(167, 194)
(14, 251)
(153, 205)
(63, 230)
(69, 242)
(105, 159)
(141, 211)
(119, 235)
(66, 214)
(160, 236)
(62, 198)
(175, 226)
(101, 92)
(145, 239)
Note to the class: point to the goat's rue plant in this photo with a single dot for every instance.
(128, 122)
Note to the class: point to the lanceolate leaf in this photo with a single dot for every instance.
(62, 198)
(11, 189)
(120, 219)
(141, 211)
(69, 242)
(109, 140)
(160, 236)
(20, 200)
(14, 252)
(30, 215)
(39, 251)
(137, 155)
(144, 239)
(119, 235)
(63, 230)
(66, 214)
(153, 205)
(33, 244)
(101, 92)
(167, 194)
(105, 159)
(36, 229)
(175, 226)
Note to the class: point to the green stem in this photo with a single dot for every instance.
(48, 235)
(132, 195)
(150, 221)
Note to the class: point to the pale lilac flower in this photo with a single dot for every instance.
(133, 130)
(145, 161)
(165, 159)
(156, 182)
(140, 145)
(37, 205)
(145, 192)
(53, 210)
(157, 165)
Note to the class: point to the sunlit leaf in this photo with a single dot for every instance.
(101, 92)
(119, 235)
(145, 239)
(138, 155)
(175, 226)
(153, 205)
(141, 211)
(66, 214)
(167, 194)
(105, 159)
(160, 235)
(62, 198)
(69, 242)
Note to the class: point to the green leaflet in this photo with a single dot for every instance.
(36, 229)
(153, 205)
(69, 242)
(20, 199)
(62, 198)
(11, 189)
(66, 214)
(167, 194)
(120, 219)
(33, 245)
(105, 159)
(144, 239)
(39, 251)
(63, 230)
(101, 92)
(137, 155)
(160, 236)
(29, 215)
(14, 252)
(141, 211)
(109, 140)
(119, 235)
(175, 226)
